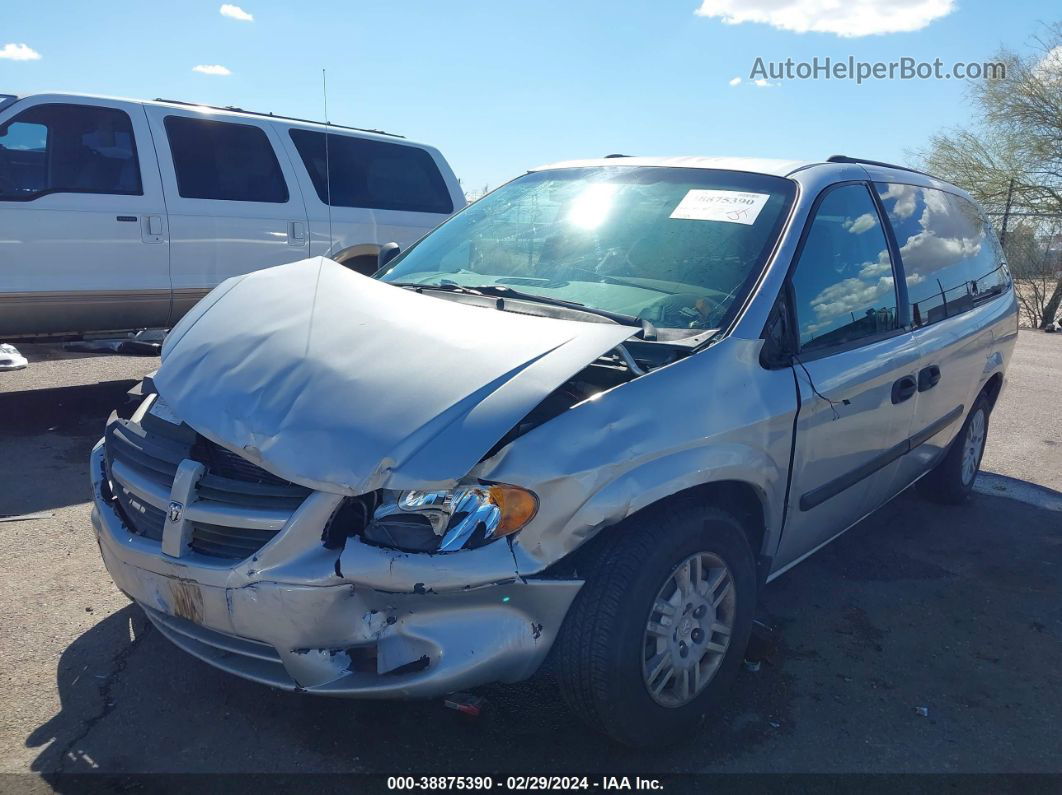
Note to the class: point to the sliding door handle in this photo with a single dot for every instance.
(904, 388)
(928, 377)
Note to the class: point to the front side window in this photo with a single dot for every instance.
(674, 246)
(62, 148)
(225, 161)
(950, 254)
(843, 282)
(375, 174)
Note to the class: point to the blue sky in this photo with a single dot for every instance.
(501, 86)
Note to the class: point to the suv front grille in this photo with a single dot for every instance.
(142, 461)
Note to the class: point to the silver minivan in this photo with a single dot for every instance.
(585, 420)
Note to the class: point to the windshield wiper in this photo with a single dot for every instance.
(446, 285)
(501, 291)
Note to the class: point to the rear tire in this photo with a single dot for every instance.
(657, 633)
(951, 481)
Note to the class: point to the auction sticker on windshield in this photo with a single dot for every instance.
(731, 206)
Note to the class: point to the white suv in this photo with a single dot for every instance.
(118, 214)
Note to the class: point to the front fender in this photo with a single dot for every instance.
(660, 478)
(714, 416)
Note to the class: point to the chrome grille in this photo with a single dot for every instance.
(228, 542)
(146, 518)
(238, 506)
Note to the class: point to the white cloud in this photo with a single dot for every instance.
(761, 83)
(1050, 67)
(906, 197)
(235, 12)
(19, 52)
(861, 224)
(735, 82)
(842, 17)
(212, 69)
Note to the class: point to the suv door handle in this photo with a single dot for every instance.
(928, 377)
(904, 388)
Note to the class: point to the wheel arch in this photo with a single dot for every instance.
(992, 388)
(360, 257)
(748, 501)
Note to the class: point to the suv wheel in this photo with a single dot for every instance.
(951, 481)
(659, 630)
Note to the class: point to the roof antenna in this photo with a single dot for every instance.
(328, 165)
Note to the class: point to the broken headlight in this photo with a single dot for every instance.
(446, 520)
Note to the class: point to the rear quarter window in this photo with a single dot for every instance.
(951, 257)
(372, 174)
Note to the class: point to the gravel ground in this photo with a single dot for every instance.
(924, 640)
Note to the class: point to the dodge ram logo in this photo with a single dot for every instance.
(176, 509)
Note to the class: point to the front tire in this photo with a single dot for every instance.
(660, 628)
(952, 480)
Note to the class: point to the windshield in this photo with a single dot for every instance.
(673, 246)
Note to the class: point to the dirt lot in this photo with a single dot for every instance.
(924, 640)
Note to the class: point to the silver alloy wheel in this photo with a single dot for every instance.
(688, 630)
(972, 446)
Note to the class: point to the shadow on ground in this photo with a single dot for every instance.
(46, 439)
(925, 639)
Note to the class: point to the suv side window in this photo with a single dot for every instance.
(951, 257)
(375, 174)
(62, 148)
(843, 281)
(223, 160)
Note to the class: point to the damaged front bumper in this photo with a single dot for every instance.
(367, 622)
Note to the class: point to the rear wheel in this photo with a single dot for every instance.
(951, 481)
(661, 625)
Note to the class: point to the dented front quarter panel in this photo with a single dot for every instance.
(715, 416)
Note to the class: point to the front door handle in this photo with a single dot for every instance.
(928, 377)
(904, 388)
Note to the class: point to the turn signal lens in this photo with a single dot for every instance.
(518, 507)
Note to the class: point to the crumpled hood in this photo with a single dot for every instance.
(344, 383)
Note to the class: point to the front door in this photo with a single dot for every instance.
(234, 204)
(856, 369)
(83, 238)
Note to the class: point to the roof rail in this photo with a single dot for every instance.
(865, 162)
(234, 109)
(611, 156)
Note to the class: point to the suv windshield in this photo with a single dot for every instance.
(673, 246)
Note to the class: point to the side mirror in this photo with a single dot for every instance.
(388, 251)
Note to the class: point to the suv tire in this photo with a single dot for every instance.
(616, 642)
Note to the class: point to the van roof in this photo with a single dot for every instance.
(755, 165)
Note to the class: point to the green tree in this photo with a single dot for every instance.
(1010, 160)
